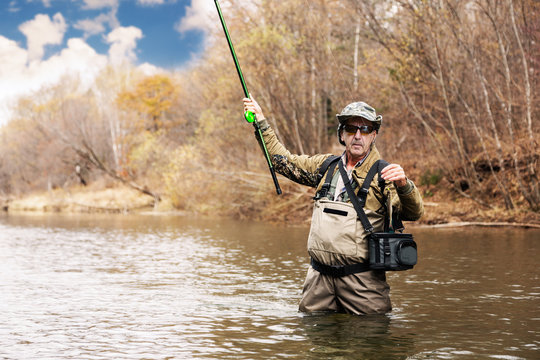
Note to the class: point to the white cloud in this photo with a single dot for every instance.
(96, 26)
(12, 7)
(77, 58)
(123, 42)
(99, 4)
(199, 16)
(41, 31)
(150, 2)
(149, 69)
(18, 77)
(12, 57)
(90, 27)
(24, 71)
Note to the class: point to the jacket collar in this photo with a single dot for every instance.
(362, 170)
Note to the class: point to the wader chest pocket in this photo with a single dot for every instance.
(335, 211)
(333, 230)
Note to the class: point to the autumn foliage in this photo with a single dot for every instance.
(456, 81)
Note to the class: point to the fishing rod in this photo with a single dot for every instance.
(248, 115)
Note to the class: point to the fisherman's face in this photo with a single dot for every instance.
(357, 144)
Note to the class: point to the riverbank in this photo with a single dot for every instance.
(91, 199)
(120, 199)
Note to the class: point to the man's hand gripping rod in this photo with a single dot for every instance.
(249, 116)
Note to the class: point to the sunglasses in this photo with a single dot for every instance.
(364, 129)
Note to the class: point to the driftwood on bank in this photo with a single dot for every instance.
(115, 210)
(480, 223)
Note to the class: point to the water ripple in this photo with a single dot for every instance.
(155, 287)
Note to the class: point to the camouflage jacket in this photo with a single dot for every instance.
(304, 169)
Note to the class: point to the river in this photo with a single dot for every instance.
(173, 287)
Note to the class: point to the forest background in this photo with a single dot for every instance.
(455, 80)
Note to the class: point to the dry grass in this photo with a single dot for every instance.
(254, 198)
(93, 198)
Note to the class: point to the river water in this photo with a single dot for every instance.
(172, 287)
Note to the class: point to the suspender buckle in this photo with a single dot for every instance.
(324, 190)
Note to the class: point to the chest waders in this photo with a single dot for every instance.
(342, 240)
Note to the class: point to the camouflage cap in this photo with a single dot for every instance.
(359, 109)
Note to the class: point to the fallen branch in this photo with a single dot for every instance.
(93, 208)
(478, 223)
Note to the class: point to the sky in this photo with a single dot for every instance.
(43, 40)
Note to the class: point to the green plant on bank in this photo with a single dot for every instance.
(430, 178)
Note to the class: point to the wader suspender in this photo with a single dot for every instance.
(360, 200)
(358, 203)
(331, 160)
(395, 222)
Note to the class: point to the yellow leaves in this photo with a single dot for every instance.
(208, 123)
(183, 177)
(149, 144)
(274, 37)
(152, 98)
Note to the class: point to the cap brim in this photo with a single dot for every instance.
(343, 118)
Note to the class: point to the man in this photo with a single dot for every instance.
(337, 239)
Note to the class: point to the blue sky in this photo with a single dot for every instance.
(162, 44)
(43, 40)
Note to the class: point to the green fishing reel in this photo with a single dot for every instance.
(249, 116)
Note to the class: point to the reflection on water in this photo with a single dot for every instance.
(341, 336)
(102, 287)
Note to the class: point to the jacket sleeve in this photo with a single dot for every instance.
(408, 202)
(302, 169)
